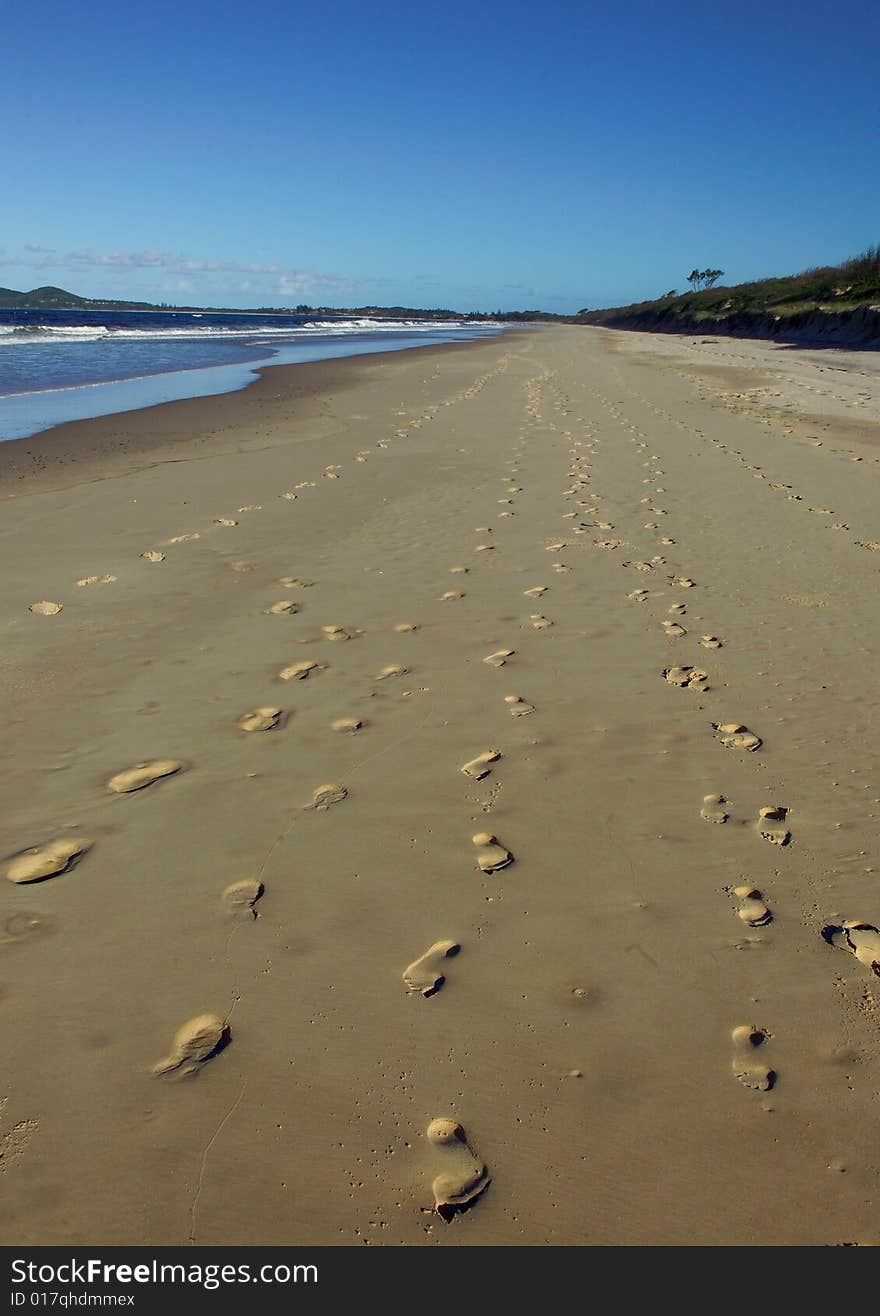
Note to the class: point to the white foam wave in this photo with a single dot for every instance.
(31, 335)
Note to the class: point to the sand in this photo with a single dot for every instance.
(545, 820)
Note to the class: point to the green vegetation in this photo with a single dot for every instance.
(56, 299)
(817, 300)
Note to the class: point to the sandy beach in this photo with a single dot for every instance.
(606, 602)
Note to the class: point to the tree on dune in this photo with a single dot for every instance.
(702, 279)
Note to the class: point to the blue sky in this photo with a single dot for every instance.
(474, 155)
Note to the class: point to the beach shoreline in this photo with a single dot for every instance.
(124, 436)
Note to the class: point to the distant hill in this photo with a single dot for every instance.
(58, 299)
(838, 302)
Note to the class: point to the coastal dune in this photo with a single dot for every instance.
(442, 805)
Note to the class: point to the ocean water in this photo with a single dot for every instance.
(57, 366)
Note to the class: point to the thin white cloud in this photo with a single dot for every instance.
(226, 267)
(300, 283)
(290, 283)
(129, 260)
(203, 279)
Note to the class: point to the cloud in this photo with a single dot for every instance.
(308, 282)
(522, 288)
(129, 260)
(226, 267)
(289, 283)
(202, 278)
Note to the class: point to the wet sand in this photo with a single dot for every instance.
(487, 738)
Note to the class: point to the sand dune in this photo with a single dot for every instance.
(221, 1022)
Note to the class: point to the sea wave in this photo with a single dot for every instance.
(33, 334)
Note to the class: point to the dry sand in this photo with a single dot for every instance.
(571, 611)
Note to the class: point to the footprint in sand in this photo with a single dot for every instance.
(518, 707)
(224, 520)
(284, 608)
(294, 582)
(298, 671)
(425, 974)
(451, 594)
(25, 925)
(251, 507)
(491, 855)
(459, 571)
(751, 1073)
(771, 824)
(710, 642)
(538, 622)
(752, 909)
(289, 496)
(402, 627)
(462, 1176)
(733, 735)
(325, 796)
(184, 539)
(347, 724)
(96, 580)
(241, 897)
(535, 592)
(194, 1042)
(685, 582)
(673, 630)
(480, 767)
(45, 608)
(861, 939)
(142, 775)
(499, 658)
(393, 669)
(49, 860)
(484, 548)
(687, 678)
(679, 609)
(153, 555)
(714, 809)
(638, 595)
(336, 634)
(261, 719)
